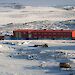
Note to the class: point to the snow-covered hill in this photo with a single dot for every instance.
(29, 14)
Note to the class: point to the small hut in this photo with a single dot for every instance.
(65, 64)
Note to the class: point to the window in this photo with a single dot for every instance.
(45, 33)
(45, 36)
(54, 33)
(50, 33)
(35, 36)
(35, 33)
(24, 32)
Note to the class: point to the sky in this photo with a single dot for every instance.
(41, 2)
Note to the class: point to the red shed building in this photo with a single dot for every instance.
(43, 34)
(1, 37)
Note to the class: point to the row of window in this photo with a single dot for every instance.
(50, 37)
(45, 35)
(51, 33)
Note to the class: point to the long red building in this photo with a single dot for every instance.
(44, 34)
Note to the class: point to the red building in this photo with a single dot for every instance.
(1, 37)
(44, 34)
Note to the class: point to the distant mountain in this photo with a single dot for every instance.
(12, 5)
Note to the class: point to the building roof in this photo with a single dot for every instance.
(43, 30)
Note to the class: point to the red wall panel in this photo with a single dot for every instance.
(73, 34)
